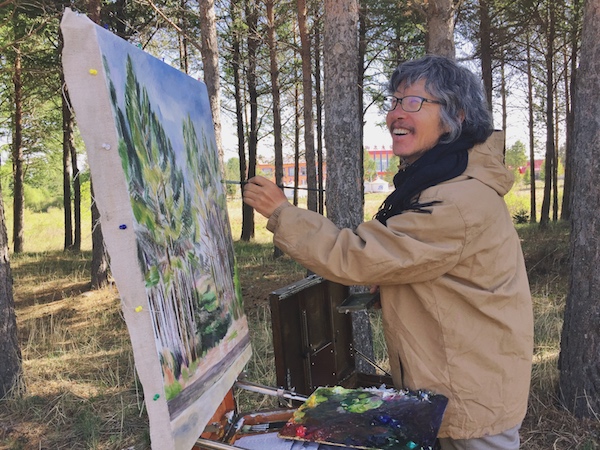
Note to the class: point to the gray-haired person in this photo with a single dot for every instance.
(443, 252)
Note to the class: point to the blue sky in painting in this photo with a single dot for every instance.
(172, 93)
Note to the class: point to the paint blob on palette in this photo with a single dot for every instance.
(368, 418)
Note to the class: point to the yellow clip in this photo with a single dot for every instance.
(93, 72)
(138, 309)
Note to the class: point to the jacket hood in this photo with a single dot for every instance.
(486, 164)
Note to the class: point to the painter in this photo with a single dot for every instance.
(442, 251)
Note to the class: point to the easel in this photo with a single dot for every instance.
(312, 340)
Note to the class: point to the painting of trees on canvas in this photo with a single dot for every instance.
(181, 226)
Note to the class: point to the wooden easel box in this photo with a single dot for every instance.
(313, 347)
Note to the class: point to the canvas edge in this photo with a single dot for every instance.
(96, 122)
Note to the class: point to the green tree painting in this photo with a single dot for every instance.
(182, 231)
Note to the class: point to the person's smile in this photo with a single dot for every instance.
(413, 133)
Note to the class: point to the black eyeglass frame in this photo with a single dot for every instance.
(398, 100)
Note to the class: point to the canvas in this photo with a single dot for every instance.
(154, 164)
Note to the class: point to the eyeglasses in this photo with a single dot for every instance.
(410, 103)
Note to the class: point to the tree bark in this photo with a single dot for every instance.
(533, 203)
(440, 28)
(99, 266)
(210, 62)
(10, 353)
(503, 95)
(182, 37)
(580, 343)
(343, 117)
(67, 128)
(565, 212)
(319, 109)
(236, 63)
(76, 199)
(99, 257)
(307, 92)
(485, 44)
(17, 157)
(71, 205)
(275, 92)
(297, 127)
(253, 43)
(549, 163)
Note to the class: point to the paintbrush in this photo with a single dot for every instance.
(262, 427)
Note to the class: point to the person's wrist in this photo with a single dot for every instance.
(274, 217)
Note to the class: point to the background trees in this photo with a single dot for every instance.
(10, 354)
(271, 75)
(580, 344)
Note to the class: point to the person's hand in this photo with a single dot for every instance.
(263, 195)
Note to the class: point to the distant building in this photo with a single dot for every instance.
(381, 155)
(537, 167)
(268, 171)
(377, 185)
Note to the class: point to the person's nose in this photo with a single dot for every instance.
(396, 113)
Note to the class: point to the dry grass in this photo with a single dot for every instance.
(82, 391)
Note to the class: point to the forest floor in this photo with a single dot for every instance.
(82, 392)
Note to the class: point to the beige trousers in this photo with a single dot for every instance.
(508, 440)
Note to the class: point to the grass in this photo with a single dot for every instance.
(81, 387)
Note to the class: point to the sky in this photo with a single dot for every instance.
(173, 95)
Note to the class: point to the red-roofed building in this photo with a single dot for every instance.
(382, 157)
(537, 167)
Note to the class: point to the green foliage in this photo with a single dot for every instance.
(40, 199)
(172, 390)
(232, 173)
(521, 216)
(516, 203)
(369, 166)
(516, 156)
(392, 170)
(184, 246)
(527, 177)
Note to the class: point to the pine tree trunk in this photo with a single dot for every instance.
(344, 145)
(440, 28)
(565, 212)
(236, 63)
(580, 342)
(275, 92)
(67, 129)
(533, 207)
(210, 62)
(10, 353)
(76, 198)
(297, 127)
(486, 50)
(549, 164)
(99, 256)
(253, 45)
(99, 267)
(307, 93)
(17, 156)
(319, 119)
(182, 39)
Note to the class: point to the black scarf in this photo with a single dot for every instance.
(443, 162)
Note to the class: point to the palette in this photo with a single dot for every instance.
(369, 418)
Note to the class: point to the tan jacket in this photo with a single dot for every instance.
(455, 297)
